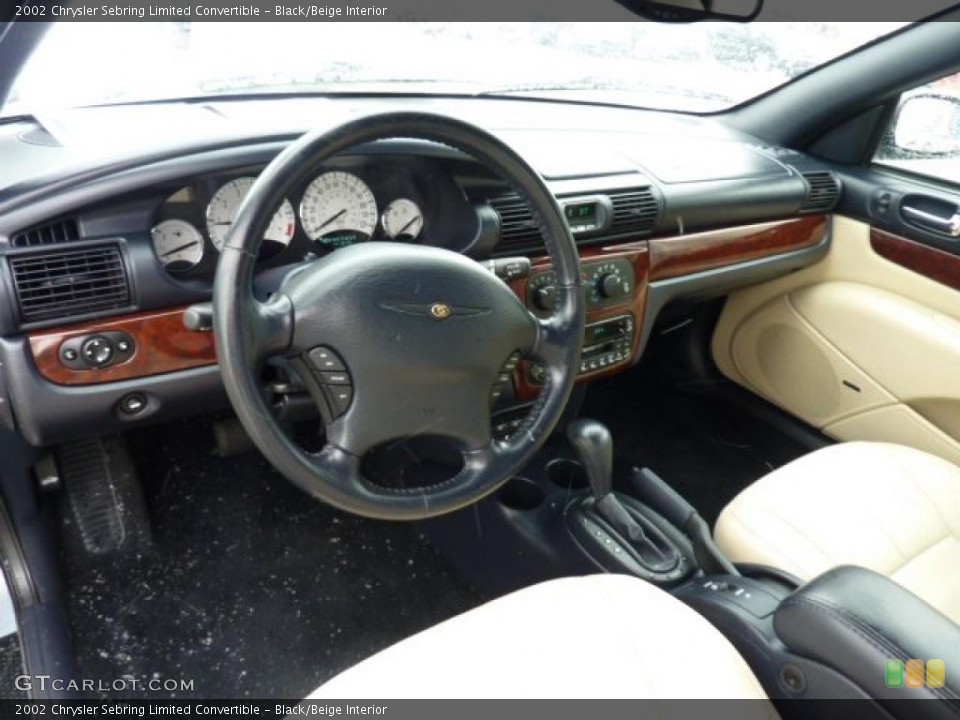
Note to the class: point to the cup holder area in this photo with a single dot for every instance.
(521, 494)
(567, 474)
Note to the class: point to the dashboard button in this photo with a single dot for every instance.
(133, 404)
(97, 351)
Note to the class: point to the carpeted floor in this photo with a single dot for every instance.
(702, 445)
(252, 588)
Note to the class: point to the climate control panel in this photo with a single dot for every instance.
(606, 283)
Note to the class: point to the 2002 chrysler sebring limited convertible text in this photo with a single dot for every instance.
(462, 360)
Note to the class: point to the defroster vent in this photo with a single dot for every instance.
(66, 283)
(52, 233)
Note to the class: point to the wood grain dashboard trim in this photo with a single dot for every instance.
(686, 254)
(934, 263)
(162, 344)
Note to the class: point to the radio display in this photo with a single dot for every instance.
(606, 330)
(584, 213)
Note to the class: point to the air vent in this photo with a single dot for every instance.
(823, 191)
(61, 231)
(634, 211)
(67, 283)
(519, 232)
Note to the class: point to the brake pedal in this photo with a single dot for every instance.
(102, 496)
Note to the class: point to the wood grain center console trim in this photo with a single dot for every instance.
(162, 344)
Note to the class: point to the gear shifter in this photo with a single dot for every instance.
(594, 445)
(634, 531)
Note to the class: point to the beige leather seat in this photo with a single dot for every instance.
(600, 636)
(886, 507)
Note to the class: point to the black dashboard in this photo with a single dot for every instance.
(103, 223)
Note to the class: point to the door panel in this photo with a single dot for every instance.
(859, 345)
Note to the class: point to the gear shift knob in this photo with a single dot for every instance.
(595, 447)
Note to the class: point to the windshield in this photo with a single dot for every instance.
(699, 67)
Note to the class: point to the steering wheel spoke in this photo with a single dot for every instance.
(271, 326)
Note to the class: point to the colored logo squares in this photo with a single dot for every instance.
(915, 673)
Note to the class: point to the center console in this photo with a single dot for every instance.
(843, 635)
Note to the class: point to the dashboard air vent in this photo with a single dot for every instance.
(69, 282)
(823, 191)
(52, 233)
(519, 232)
(634, 210)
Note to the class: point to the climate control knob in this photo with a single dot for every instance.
(545, 298)
(612, 286)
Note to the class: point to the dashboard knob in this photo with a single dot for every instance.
(97, 351)
(545, 298)
(612, 285)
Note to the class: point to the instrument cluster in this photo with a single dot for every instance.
(338, 207)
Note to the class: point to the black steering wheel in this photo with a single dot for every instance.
(419, 333)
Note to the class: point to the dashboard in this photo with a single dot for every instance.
(103, 254)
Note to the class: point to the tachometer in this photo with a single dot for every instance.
(402, 219)
(338, 209)
(225, 204)
(178, 244)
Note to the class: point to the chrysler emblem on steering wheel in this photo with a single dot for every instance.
(441, 311)
(436, 310)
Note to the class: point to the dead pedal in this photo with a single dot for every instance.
(102, 496)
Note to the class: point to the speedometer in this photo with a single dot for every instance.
(338, 209)
(225, 204)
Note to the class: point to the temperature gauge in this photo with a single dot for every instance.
(402, 219)
(178, 244)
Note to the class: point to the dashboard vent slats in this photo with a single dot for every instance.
(64, 284)
(823, 192)
(634, 210)
(519, 232)
(53, 233)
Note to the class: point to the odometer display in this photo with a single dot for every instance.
(338, 209)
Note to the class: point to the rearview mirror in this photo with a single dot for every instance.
(694, 10)
(928, 124)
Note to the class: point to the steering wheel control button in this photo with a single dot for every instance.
(133, 404)
(335, 378)
(326, 360)
(340, 398)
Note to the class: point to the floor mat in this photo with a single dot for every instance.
(705, 447)
(252, 589)
(11, 667)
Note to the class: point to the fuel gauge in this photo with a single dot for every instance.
(402, 219)
(178, 245)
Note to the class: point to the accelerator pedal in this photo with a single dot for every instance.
(103, 502)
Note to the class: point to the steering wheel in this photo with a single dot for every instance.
(394, 340)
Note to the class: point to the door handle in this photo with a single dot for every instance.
(947, 225)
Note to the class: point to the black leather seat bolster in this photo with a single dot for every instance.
(854, 620)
